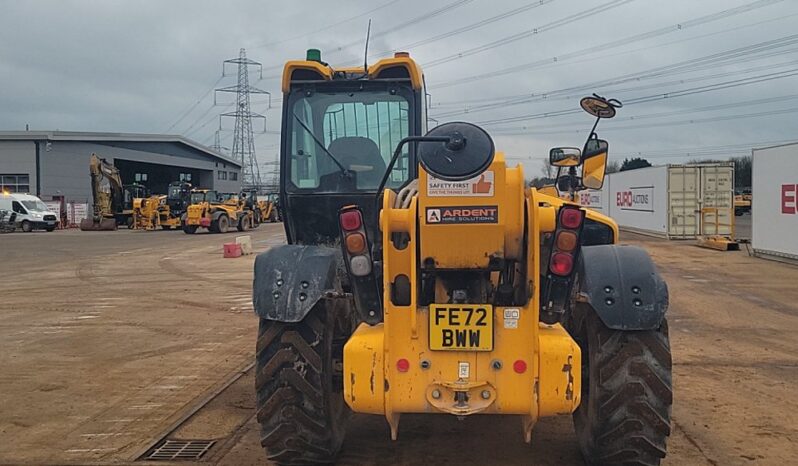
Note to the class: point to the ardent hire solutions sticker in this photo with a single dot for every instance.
(463, 214)
(479, 186)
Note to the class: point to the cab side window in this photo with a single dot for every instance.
(17, 207)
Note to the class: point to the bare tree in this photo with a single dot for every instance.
(613, 166)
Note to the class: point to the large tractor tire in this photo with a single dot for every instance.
(243, 223)
(220, 224)
(189, 229)
(625, 413)
(300, 405)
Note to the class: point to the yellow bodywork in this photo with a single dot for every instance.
(202, 213)
(321, 72)
(550, 383)
(153, 212)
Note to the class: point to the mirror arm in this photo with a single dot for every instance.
(591, 134)
(395, 157)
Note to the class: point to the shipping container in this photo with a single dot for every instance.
(775, 202)
(673, 201)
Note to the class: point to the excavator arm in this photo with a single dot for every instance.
(107, 197)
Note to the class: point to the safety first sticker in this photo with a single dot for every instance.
(463, 214)
(479, 186)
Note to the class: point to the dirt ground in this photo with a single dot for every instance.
(110, 342)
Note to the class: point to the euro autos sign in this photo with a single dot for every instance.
(636, 198)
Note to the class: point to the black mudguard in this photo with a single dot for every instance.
(290, 280)
(623, 286)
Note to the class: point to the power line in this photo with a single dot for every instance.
(520, 99)
(529, 33)
(612, 44)
(412, 22)
(746, 103)
(467, 28)
(325, 28)
(192, 107)
(680, 93)
(684, 66)
(667, 123)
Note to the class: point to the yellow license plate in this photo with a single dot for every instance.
(461, 327)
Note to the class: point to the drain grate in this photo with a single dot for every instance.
(180, 450)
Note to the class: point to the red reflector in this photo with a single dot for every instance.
(570, 218)
(402, 365)
(351, 220)
(519, 366)
(561, 264)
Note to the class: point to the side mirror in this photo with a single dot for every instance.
(595, 163)
(565, 157)
(467, 152)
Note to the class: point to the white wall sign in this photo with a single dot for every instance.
(636, 198)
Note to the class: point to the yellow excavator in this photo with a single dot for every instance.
(107, 193)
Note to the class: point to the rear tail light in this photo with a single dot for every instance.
(566, 241)
(360, 266)
(351, 220)
(571, 218)
(355, 243)
(353, 239)
(562, 264)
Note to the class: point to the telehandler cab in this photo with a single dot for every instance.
(422, 276)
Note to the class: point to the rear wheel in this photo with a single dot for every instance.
(624, 415)
(300, 405)
(243, 223)
(222, 224)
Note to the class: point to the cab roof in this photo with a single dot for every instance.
(399, 68)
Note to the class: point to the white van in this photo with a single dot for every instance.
(32, 213)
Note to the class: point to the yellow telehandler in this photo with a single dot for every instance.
(209, 211)
(423, 276)
(164, 211)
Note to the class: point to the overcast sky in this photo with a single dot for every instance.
(139, 66)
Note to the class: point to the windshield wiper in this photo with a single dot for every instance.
(344, 171)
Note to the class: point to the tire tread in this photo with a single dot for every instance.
(293, 392)
(627, 420)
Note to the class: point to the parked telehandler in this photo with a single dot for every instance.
(207, 210)
(163, 211)
(422, 276)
